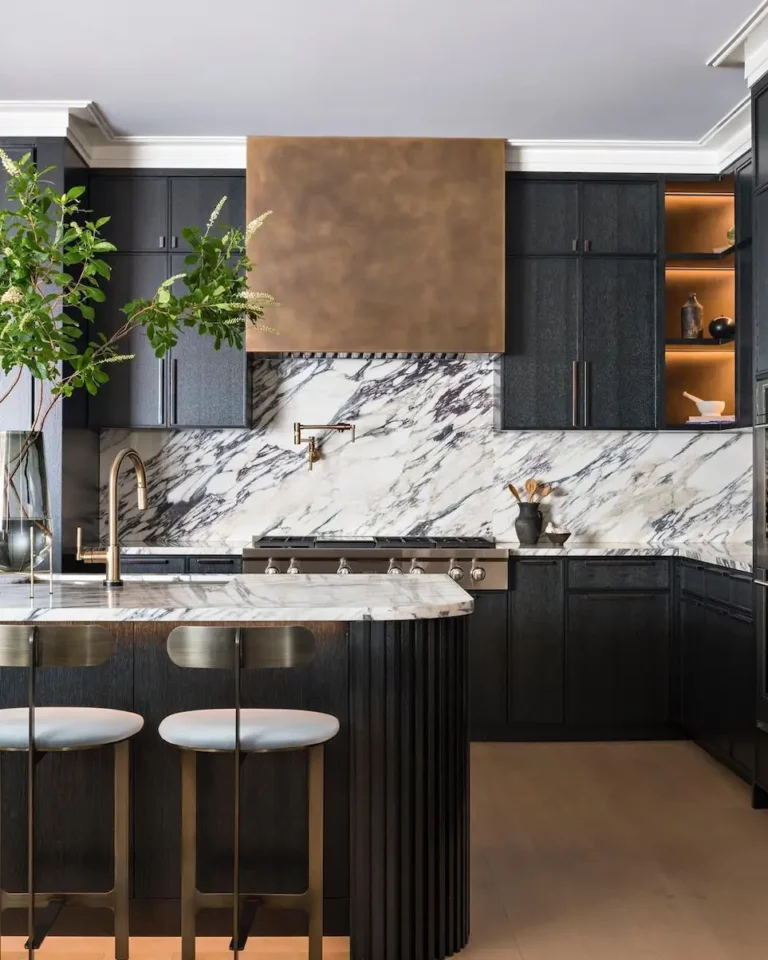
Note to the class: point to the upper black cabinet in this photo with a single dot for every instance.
(542, 216)
(620, 218)
(760, 135)
(619, 369)
(194, 385)
(194, 198)
(760, 283)
(542, 337)
(135, 393)
(137, 208)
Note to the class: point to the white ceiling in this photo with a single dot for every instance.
(522, 69)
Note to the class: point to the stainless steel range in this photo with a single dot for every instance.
(473, 562)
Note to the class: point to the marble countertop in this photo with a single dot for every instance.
(255, 597)
(734, 556)
(184, 548)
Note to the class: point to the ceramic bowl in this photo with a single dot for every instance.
(711, 408)
(558, 538)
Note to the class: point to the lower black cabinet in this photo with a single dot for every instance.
(536, 641)
(718, 656)
(139, 565)
(617, 656)
(488, 664)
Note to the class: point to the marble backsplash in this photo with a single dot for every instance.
(427, 460)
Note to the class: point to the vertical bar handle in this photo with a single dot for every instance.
(575, 245)
(586, 388)
(174, 391)
(161, 243)
(161, 391)
(587, 246)
(174, 242)
(575, 393)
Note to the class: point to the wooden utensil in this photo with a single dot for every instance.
(531, 486)
(544, 491)
(515, 494)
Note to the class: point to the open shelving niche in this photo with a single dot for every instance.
(698, 216)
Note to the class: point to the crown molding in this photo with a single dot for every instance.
(731, 53)
(90, 132)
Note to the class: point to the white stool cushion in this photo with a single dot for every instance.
(259, 729)
(72, 727)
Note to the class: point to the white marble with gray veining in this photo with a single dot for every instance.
(184, 548)
(427, 460)
(239, 599)
(733, 556)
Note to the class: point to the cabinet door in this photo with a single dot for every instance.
(207, 387)
(488, 663)
(194, 198)
(620, 218)
(760, 136)
(219, 565)
(536, 641)
(139, 565)
(617, 654)
(694, 654)
(135, 393)
(138, 208)
(620, 353)
(742, 698)
(538, 367)
(760, 281)
(542, 216)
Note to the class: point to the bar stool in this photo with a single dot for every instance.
(42, 730)
(245, 731)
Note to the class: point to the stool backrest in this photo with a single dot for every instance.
(246, 648)
(48, 645)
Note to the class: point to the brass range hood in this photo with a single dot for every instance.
(389, 247)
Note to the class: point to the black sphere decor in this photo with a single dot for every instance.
(722, 328)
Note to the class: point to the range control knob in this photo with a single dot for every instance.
(293, 566)
(477, 573)
(455, 572)
(272, 567)
(416, 567)
(394, 567)
(344, 567)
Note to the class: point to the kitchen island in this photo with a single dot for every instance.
(390, 664)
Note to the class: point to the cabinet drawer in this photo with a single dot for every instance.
(139, 565)
(692, 579)
(742, 594)
(622, 573)
(222, 565)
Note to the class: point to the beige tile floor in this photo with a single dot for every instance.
(608, 851)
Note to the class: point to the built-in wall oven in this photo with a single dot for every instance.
(760, 535)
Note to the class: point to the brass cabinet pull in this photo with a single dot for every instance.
(575, 393)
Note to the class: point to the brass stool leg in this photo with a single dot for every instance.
(316, 852)
(121, 887)
(188, 852)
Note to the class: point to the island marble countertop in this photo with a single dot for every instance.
(734, 556)
(237, 599)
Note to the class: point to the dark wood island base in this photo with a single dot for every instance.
(396, 790)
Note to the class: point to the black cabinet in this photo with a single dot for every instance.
(581, 308)
(138, 210)
(488, 663)
(223, 566)
(536, 641)
(542, 337)
(760, 134)
(135, 393)
(150, 564)
(620, 218)
(194, 198)
(206, 387)
(620, 355)
(618, 660)
(542, 216)
(718, 656)
(760, 281)
(220, 565)
(194, 385)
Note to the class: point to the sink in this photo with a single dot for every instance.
(91, 579)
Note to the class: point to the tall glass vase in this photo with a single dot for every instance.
(25, 521)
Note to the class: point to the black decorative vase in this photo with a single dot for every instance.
(722, 328)
(692, 319)
(528, 524)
